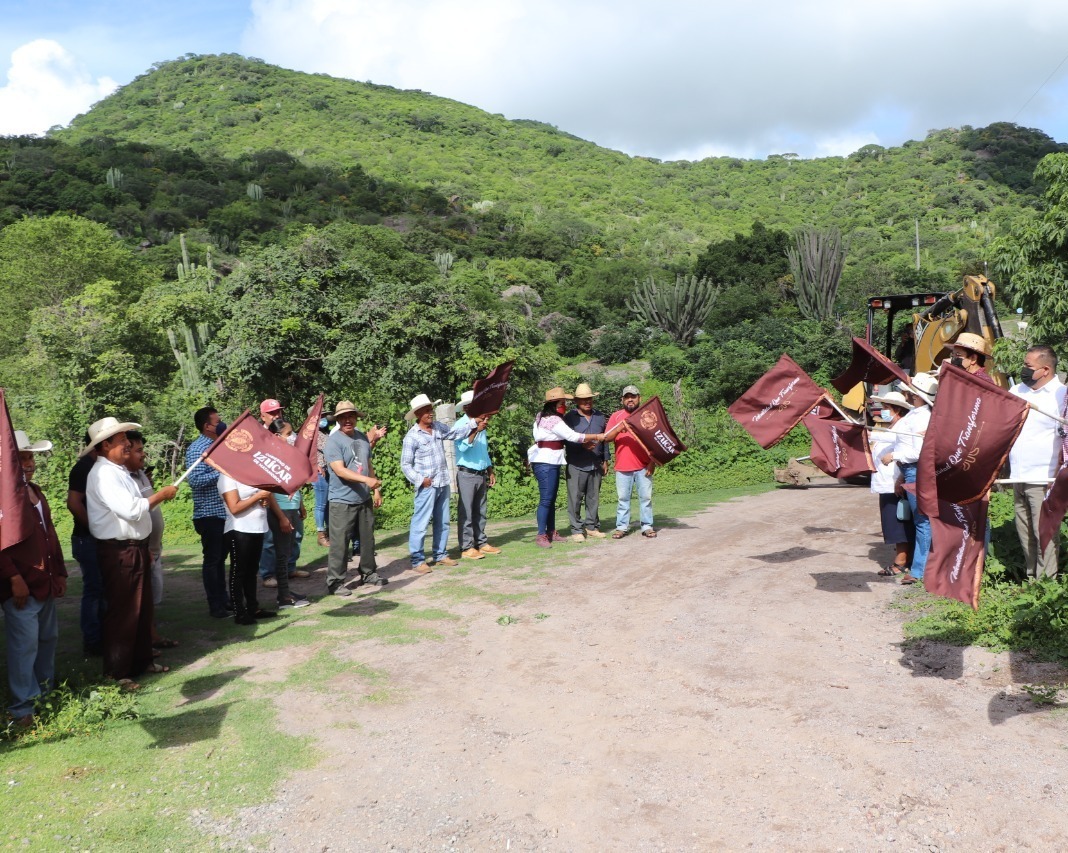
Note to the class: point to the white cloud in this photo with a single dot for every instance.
(46, 85)
(654, 77)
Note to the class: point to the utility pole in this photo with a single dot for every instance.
(917, 244)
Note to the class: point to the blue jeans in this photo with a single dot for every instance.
(83, 549)
(625, 483)
(548, 477)
(321, 490)
(32, 633)
(923, 527)
(431, 505)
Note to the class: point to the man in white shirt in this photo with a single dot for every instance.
(121, 522)
(1035, 455)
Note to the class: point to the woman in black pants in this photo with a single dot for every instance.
(246, 523)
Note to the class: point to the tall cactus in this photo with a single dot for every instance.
(444, 262)
(114, 178)
(193, 341)
(816, 262)
(680, 309)
(254, 191)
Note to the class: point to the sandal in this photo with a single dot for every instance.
(618, 534)
(163, 643)
(649, 534)
(157, 668)
(909, 579)
(891, 570)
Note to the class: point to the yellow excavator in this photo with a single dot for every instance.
(937, 320)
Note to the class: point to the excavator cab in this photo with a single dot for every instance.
(935, 321)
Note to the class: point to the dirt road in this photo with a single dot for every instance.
(737, 683)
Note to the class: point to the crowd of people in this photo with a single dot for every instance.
(1036, 455)
(252, 537)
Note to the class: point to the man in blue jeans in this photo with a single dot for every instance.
(633, 468)
(83, 549)
(209, 512)
(423, 463)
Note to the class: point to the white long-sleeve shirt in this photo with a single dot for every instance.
(907, 448)
(116, 507)
(553, 428)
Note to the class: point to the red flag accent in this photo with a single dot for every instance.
(972, 429)
(1053, 509)
(489, 392)
(868, 365)
(307, 439)
(777, 402)
(958, 550)
(839, 448)
(258, 458)
(18, 518)
(649, 425)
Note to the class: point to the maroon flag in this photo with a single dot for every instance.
(649, 425)
(18, 518)
(839, 448)
(489, 392)
(958, 550)
(868, 365)
(972, 429)
(307, 439)
(777, 402)
(1053, 509)
(258, 458)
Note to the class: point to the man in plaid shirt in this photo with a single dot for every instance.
(423, 463)
(209, 512)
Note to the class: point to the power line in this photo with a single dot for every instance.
(1040, 88)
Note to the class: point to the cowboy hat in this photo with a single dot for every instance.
(976, 343)
(420, 401)
(925, 386)
(23, 442)
(893, 398)
(104, 429)
(585, 392)
(345, 407)
(556, 393)
(465, 398)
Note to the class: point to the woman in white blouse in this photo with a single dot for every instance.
(246, 523)
(546, 457)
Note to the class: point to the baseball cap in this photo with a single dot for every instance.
(270, 406)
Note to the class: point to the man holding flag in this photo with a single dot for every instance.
(355, 493)
(634, 469)
(1035, 454)
(32, 574)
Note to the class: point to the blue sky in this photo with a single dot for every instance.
(667, 78)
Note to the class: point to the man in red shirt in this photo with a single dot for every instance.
(633, 468)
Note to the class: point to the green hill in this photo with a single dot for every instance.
(964, 185)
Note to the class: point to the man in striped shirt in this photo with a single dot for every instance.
(423, 463)
(209, 512)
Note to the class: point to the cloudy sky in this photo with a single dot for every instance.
(662, 78)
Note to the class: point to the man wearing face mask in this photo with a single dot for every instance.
(209, 512)
(1036, 454)
(970, 353)
(634, 468)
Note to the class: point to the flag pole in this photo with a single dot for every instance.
(178, 482)
(840, 410)
(1059, 420)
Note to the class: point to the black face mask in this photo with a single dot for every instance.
(957, 361)
(1027, 376)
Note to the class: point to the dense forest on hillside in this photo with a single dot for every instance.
(223, 230)
(963, 185)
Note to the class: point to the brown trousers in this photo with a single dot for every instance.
(125, 570)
